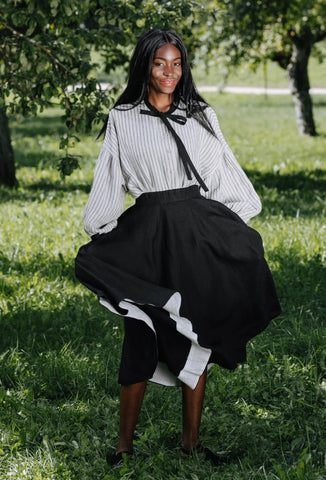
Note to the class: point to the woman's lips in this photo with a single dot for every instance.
(168, 83)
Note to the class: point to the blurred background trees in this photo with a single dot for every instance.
(283, 31)
(47, 53)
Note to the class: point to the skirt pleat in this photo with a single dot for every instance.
(192, 274)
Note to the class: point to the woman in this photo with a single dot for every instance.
(181, 266)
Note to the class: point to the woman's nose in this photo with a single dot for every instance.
(167, 70)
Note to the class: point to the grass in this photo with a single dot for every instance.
(59, 350)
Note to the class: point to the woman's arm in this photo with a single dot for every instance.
(107, 197)
(228, 183)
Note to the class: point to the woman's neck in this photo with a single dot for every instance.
(162, 103)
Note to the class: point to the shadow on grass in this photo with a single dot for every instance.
(50, 268)
(61, 352)
(39, 191)
(43, 125)
(301, 287)
(307, 181)
(319, 104)
(302, 191)
(40, 159)
(40, 125)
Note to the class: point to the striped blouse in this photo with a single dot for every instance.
(140, 155)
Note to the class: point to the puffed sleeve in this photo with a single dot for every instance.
(227, 182)
(107, 197)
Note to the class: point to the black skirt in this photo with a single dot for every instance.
(190, 278)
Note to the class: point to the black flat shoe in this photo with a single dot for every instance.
(208, 454)
(117, 458)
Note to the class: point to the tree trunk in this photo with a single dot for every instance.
(7, 163)
(297, 71)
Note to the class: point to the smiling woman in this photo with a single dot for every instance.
(166, 73)
(181, 266)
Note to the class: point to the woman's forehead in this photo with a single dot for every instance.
(167, 52)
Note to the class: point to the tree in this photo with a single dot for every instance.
(284, 31)
(7, 165)
(45, 48)
(40, 57)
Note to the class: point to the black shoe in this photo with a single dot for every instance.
(117, 458)
(208, 454)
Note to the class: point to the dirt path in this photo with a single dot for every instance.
(258, 90)
(241, 90)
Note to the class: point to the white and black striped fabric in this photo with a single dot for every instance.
(140, 155)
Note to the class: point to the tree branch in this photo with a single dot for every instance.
(36, 44)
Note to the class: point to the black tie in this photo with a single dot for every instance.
(186, 160)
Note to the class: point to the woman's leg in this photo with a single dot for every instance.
(192, 405)
(131, 398)
(138, 362)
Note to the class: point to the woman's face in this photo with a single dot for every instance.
(166, 69)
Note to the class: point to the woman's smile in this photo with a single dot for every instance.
(168, 83)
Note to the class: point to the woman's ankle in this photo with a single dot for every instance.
(189, 444)
(125, 446)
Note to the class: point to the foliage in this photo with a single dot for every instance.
(60, 349)
(282, 31)
(266, 75)
(45, 54)
(237, 30)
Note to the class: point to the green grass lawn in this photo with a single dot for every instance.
(59, 349)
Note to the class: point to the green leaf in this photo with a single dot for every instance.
(49, 92)
(102, 21)
(30, 6)
(18, 18)
(68, 10)
(31, 27)
(23, 60)
(140, 22)
(66, 165)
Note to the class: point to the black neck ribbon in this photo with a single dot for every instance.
(186, 160)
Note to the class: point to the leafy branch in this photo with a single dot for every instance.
(35, 44)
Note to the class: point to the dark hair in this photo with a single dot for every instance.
(140, 71)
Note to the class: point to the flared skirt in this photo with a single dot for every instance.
(190, 279)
